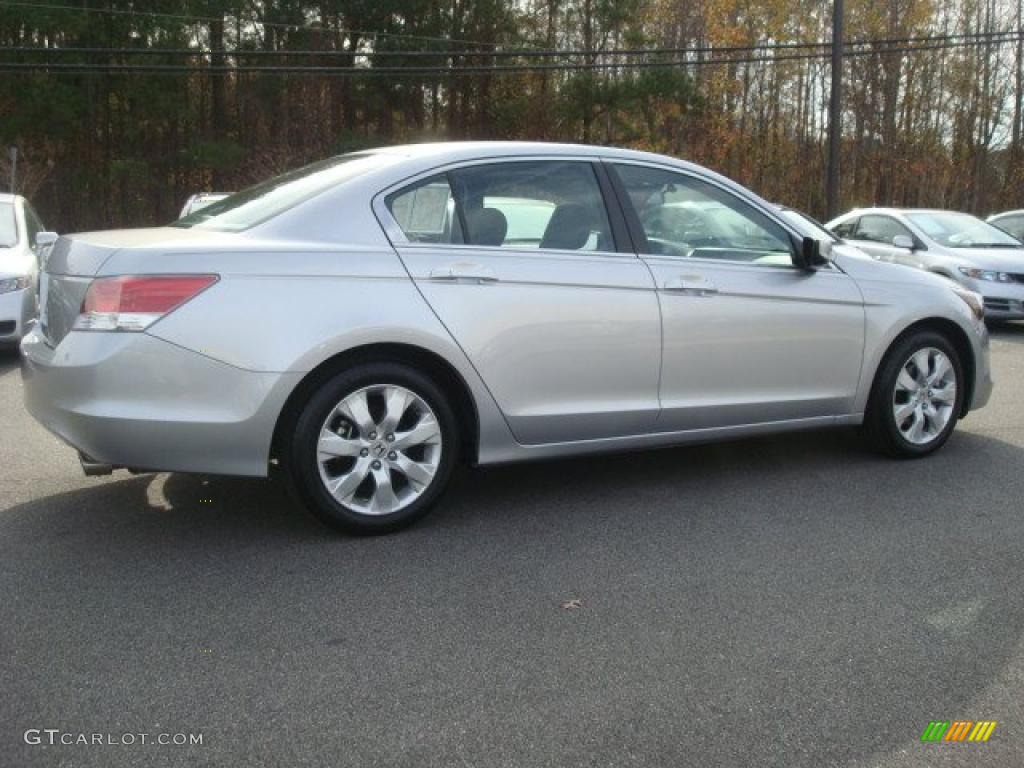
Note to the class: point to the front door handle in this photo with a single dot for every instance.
(691, 285)
(464, 271)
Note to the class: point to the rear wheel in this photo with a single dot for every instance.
(373, 448)
(917, 397)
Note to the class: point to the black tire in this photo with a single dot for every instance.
(880, 421)
(299, 454)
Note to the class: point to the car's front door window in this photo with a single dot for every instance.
(681, 215)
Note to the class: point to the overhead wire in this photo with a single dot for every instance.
(518, 53)
(419, 72)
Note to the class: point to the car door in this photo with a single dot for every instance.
(518, 259)
(875, 234)
(748, 337)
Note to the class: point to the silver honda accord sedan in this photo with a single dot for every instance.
(370, 321)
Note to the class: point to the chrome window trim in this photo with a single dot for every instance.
(752, 202)
(832, 269)
(517, 251)
(398, 239)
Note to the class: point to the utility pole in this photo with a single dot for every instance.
(13, 151)
(835, 104)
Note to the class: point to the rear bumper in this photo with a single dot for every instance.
(132, 400)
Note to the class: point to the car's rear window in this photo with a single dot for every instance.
(8, 227)
(270, 198)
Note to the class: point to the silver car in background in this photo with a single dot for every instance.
(1011, 222)
(19, 266)
(370, 321)
(199, 201)
(959, 246)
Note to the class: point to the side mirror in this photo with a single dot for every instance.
(809, 256)
(903, 241)
(46, 239)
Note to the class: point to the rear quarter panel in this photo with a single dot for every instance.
(288, 311)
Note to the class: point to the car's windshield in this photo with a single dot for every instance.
(807, 225)
(267, 199)
(961, 230)
(8, 227)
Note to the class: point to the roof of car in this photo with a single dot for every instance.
(880, 209)
(6, 197)
(1015, 212)
(457, 150)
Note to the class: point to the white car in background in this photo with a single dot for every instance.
(200, 201)
(956, 245)
(19, 266)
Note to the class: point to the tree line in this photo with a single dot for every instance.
(121, 110)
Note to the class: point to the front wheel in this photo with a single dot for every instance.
(918, 396)
(373, 448)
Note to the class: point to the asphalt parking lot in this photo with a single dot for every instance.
(789, 601)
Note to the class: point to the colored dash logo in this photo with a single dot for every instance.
(958, 730)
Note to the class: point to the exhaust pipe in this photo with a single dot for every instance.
(93, 468)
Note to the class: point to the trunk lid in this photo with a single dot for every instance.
(68, 268)
(74, 260)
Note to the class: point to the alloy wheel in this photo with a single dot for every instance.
(924, 396)
(379, 449)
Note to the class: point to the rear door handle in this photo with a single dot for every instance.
(464, 271)
(691, 285)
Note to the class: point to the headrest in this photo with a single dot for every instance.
(487, 226)
(569, 227)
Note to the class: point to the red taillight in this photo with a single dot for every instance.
(133, 302)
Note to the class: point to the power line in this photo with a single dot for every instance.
(548, 53)
(436, 39)
(422, 71)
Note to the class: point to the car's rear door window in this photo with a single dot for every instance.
(544, 204)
